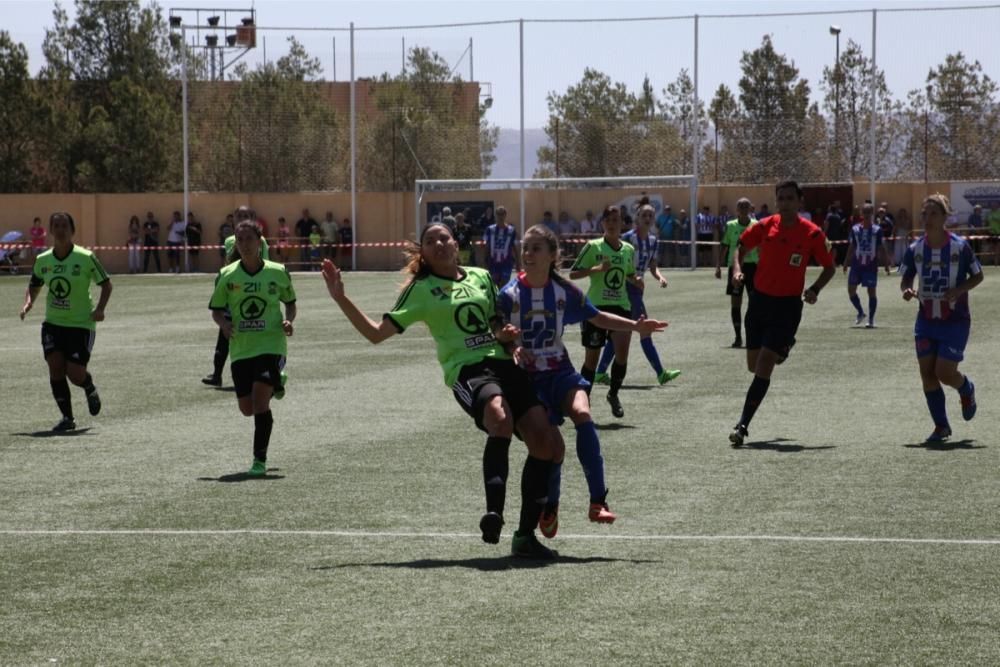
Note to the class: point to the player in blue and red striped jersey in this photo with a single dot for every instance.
(864, 253)
(948, 269)
(537, 305)
(501, 248)
(644, 241)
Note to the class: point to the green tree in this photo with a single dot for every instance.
(105, 90)
(724, 112)
(677, 107)
(17, 123)
(965, 117)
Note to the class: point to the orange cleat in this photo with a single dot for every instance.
(599, 513)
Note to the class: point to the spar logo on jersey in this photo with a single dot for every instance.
(471, 319)
(614, 280)
(60, 289)
(252, 314)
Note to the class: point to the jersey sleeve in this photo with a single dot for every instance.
(36, 277)
(908, 265)
(97, 272)
(752, 236)
(629, 257)
(585, 260)
(578, 307)
(408, 309)
(821, 248)
(265, 252)
(973, 267)
(505, 304)
(287, 292)
(219, 300)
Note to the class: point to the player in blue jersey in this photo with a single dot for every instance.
(948, 269)
(536, 306)
(501, 248)
(641, 238)
(864, 253)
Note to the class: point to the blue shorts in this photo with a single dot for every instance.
(947, 340)
(863, 277)
(638, 308)
(501, 273)
(551, 387)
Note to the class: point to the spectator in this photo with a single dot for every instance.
(549, 223)
(193, 233)
(38, 233)
(836, 231)
(463, 237)
(478, 231)
(315, 248)
(226, 229)
(302, 230)
(569, 229)
(722, 219)
(151, 242)
(975, 218)
(885, 223)
(260, 222)
(346, 245)
(708, 233)
(626, 219)
(682, 233)
(282, 246)
(133, 243)
(331, 235)
(993, 224)
(765, 212)
(885, 206)
(447, 218)
(175, 241)
(665, 223)
(589, 226)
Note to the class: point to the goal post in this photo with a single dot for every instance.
(531, 196)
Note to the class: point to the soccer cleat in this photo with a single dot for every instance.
(490, 524)
(738, 435)
(666, 376)
(859, 320)
(616, 405)
(279, 392)
(940, 434)
(548, 523)
(969, 402)
(602, 378)
(871, 325)
(738, 343)
(528, 546)
(258, 469)
(94, 403)
(212, 380)
(599, 513)
(65, 424)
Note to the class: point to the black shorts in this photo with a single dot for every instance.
(772, 322)
(264, 368)
(74, 343)
(594, 337)
(748, 272)
(479, 382)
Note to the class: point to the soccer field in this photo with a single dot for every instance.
(835, 536)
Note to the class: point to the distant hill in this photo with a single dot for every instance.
(508, 153)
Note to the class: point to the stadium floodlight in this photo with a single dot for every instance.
(213, 21)
(230, 40)
(211, 40)
(611, 190)
(175, 21)
(835, 30)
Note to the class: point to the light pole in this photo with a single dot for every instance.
(835, 31)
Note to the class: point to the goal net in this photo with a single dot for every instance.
(572, 206)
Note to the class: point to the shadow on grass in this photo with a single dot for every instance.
(228, 390)
(489, 564)
(613, 426)
(640, 387)
(243, 477)
(778, 445)
(57, 434)
(946, 446)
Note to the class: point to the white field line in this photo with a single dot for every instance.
(390, 534)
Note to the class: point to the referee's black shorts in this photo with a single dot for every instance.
(479, 382)
(772, 322)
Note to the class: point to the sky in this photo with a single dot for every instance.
(561, 39)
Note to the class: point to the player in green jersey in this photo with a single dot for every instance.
(222, 343)
(70, 315)
(458, 305)
(252, 291)
(609, 262)
(730, 244)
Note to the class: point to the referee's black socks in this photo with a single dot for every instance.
(755, 394)
(60, 391)
(262, 424)
(496, 469)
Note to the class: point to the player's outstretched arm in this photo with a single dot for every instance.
(616, 323)
(375, 332)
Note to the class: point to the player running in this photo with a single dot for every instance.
(69, 328)
(251, 292)
(501, 248)
(864, 252)
(644, 241)
(730, 245)
(787, 243)
(948, 270)
(458, 305)
(537, 305)
(609, 262)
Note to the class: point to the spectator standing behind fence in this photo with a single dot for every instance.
(226, 229)
(589, 226)
(707, 232)
(281, 247)
(447, 218)
(303, 228)
(886, 223)
(193, 233)
(478, 231)
(682, 234)
(665, 223)
(38, 234)
(175, 241)
(133, 243)
(346, 245)
(835, 228)
(151, 242)
(549, 223)
(568, 230)
(331, 235)
(463, 237)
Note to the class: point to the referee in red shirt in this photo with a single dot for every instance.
(787, 243)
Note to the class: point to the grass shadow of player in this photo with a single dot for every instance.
(488, 564)
(779, 445)
(639, 387)
(613, 426)
(243, 477)
(228, 390)
(57, 434)
(947, 446)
